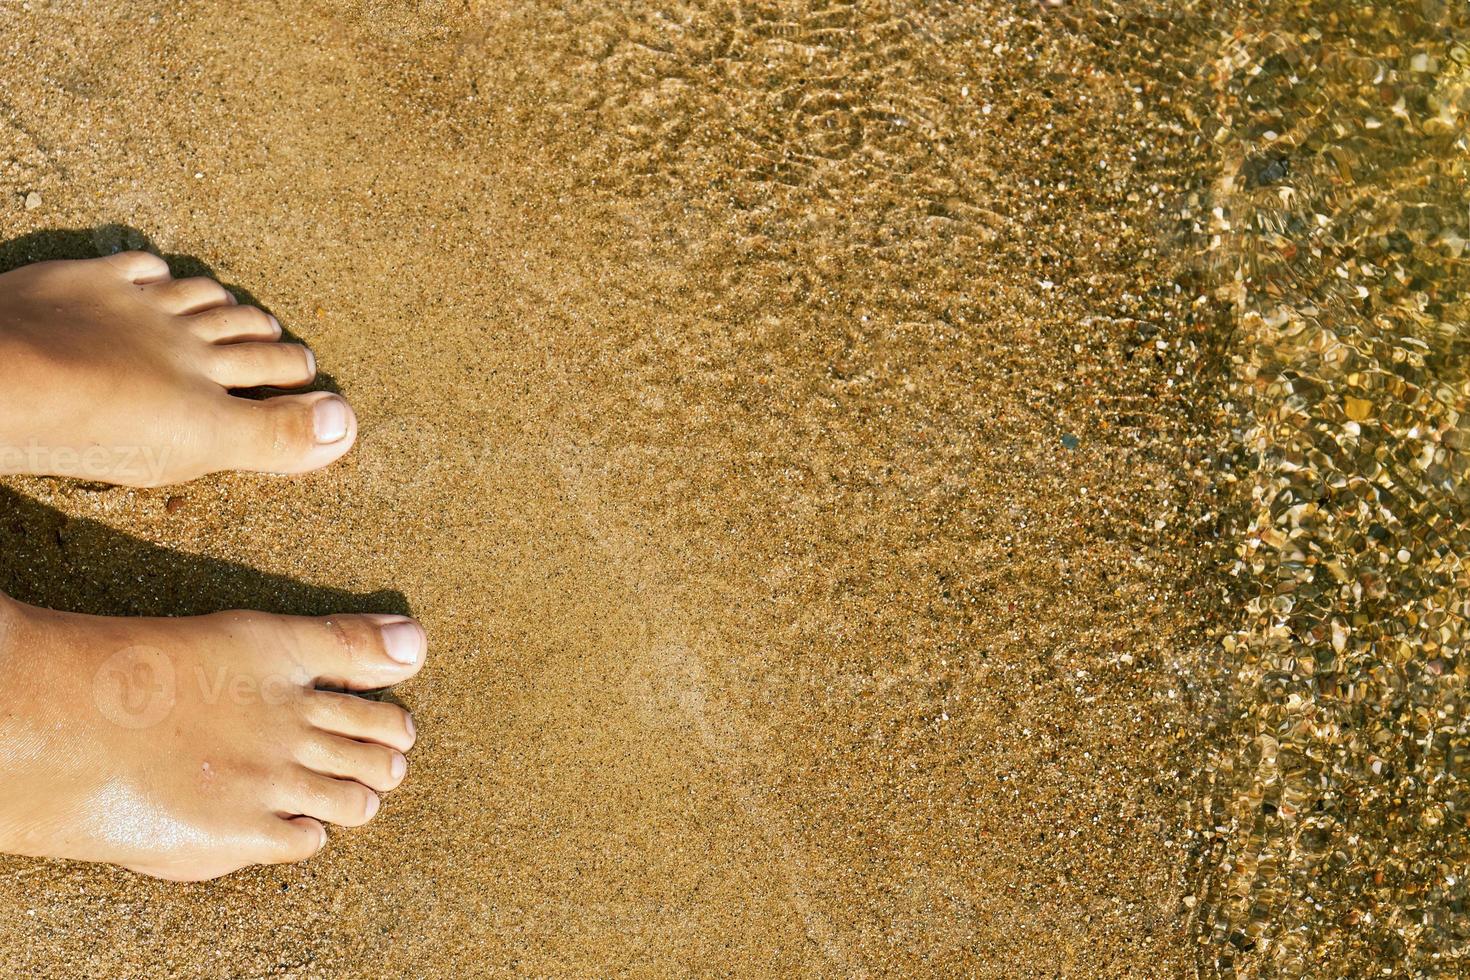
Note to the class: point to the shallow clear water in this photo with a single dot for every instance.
(1299, 168)
(1337, 844)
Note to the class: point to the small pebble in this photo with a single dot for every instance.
(175, 504)
(33, 201)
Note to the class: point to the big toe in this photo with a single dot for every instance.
(359, 652)
(288, 433)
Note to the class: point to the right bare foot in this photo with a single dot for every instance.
(189, 748)
(118, 373)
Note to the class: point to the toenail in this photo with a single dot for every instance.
(329, 418)
(372, 805)
(408, 724)
(311, 372)
(275, 324)
(398, 768)
(404, 642)
(323, 832)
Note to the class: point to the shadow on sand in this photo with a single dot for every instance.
(50, 559)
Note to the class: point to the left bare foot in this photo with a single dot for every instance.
(116, 372)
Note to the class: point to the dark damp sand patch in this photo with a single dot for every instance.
(790, 458)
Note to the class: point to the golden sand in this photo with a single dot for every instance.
(772, 416)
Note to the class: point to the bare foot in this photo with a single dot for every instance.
(189, 748)
(118, 373)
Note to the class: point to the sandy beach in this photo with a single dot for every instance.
(793, 425)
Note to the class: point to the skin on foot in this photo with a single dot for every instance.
(119, 373)
(188, 748)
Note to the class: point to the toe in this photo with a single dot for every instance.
(184, 296)
(375, 766)
(288, 434)
(360, 652)
(344, 802)
(232, 324)
(251, 365)
(294, 839)
(138, 267)
(359, 718)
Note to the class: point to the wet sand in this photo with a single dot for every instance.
(784, 422)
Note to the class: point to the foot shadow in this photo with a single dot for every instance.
(76, 564)
(80, 565)
(91, 243)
